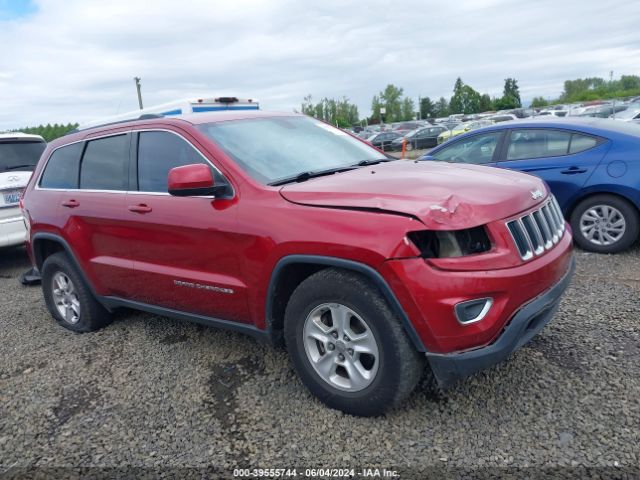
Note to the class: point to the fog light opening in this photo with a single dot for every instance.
(472, 311)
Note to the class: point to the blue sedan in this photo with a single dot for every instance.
(591, 165)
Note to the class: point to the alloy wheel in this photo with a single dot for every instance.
(602, 225)
(66, 298)
(341, 347)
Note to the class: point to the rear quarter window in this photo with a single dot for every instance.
(62, 168)
(580, 143)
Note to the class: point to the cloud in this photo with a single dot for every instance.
(75, 60)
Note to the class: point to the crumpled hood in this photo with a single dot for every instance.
(14, 179)
(442, 195)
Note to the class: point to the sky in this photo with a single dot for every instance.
(74, 60)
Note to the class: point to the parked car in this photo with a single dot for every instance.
(630, 114)
(592, 166)
(552, 113)
(502, 117)
(462, 128)
(603, 111)
(288, 229)
(19, 154)
(426, 137)
(383, 140)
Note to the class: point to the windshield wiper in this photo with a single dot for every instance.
(13, 167)
(304, 176)
(366, 163)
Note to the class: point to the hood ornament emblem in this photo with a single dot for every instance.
(536, 194)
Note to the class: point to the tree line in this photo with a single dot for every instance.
(593, 88)
(49, 132)
(397, 107)
(465, 100)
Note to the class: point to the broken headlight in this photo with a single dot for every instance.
(452, 243)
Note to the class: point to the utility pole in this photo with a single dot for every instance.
(137, 80)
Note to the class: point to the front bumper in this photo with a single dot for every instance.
(524, 325)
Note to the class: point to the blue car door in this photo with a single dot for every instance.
(564, 159)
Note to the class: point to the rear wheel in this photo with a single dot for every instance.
(348, 346)
(409, 146)
(69, 298)
(605, 224)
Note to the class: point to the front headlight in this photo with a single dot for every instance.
(450, 243)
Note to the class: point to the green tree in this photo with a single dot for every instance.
(408, 109)
(427, 108)
(376, 104)
(539, 102)
(465, 99)
(391, 99)
(441, 108)
(307, 106)
(486, 104)
(341, 112)
(629, 82)
(511, 94)
(456, 102)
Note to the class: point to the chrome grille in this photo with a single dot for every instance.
(539, 230)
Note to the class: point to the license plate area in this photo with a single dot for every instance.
(11, 197)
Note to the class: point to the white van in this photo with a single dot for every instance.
(19, 154)
(181, 107)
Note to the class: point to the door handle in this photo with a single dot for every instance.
(573, 170)
(71, 203)
(142, 208)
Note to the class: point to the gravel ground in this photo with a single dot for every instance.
(153, 392)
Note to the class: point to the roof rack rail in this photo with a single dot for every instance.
(144, 116)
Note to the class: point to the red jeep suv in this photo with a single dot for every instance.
(283, 227)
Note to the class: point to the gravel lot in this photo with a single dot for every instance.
(152, 392)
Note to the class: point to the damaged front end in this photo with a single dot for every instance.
(451, 243)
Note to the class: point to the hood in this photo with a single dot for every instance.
(14, 179)
(442, 195)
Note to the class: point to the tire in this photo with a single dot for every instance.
(393, 370)
(611, 211)
(83, 313)
(409, 146)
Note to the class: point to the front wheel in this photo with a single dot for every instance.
(605, 224)
(348, 347)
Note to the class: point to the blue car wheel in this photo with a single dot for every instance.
(605, 224)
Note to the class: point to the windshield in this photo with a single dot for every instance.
(20, 155)
(275, 148)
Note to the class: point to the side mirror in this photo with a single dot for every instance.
(191, 181)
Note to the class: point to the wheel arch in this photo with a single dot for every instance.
(45, 244)
(624, 193)
(291, 270)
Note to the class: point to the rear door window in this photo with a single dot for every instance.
(537, 143)
(105, 164)
(62, 168)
